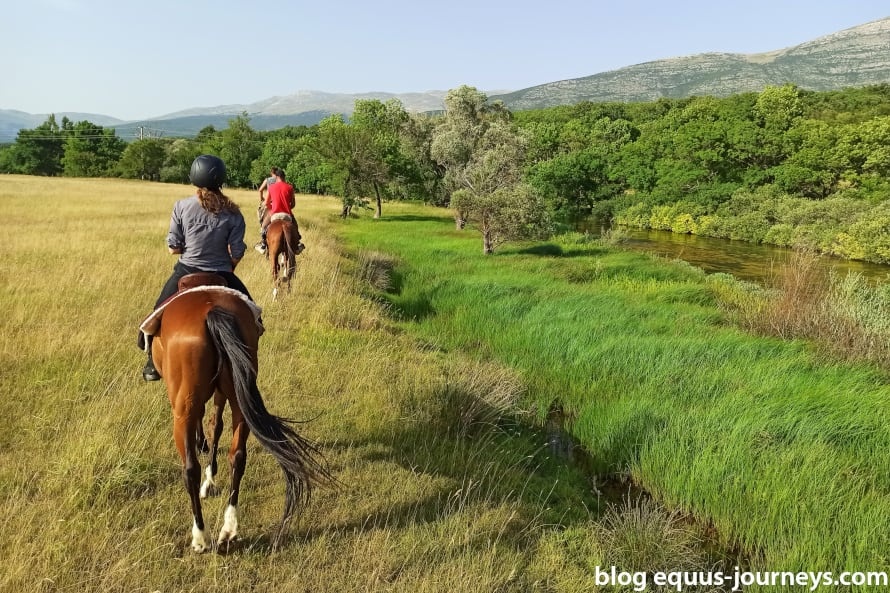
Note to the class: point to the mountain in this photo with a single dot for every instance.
(304, 101)
(859, 56)
(304, 108)
(189, 125)
(12, 121)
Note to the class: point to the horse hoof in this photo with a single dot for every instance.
(229, 531)
(209, 490)
(199, 548)
(199, 542)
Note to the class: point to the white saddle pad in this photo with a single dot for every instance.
(151, 323)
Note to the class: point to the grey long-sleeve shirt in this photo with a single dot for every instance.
(208, 241)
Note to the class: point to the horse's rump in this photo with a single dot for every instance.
(283, 240)
(152, 324)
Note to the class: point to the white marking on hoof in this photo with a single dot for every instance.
(274, 294)
(229, 532)
(199, 540)
(208, 488)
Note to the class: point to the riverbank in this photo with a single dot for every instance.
(780, 450)
(840, 226)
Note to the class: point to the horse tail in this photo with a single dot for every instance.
(300, 460)
(291, 250)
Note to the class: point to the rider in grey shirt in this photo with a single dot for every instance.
(206, 241)
(207, 231)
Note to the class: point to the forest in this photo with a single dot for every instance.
(785, 166)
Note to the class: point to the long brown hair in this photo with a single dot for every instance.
(214, 201)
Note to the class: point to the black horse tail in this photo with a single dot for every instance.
(299, 458)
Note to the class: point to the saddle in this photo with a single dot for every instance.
(201, 279)
(281, 216)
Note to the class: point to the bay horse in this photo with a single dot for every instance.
(283, 242)
(206, 346)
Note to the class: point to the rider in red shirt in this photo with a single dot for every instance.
(280, 200)
(281, 197)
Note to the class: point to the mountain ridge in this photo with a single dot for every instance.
(856, 56)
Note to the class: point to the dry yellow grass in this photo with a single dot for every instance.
(90, 483)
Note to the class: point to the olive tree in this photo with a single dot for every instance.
(456, 139)
(492, 194)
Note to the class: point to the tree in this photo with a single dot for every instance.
(277, 151)
(206, 135)
(580, 173)
(347, 150)
(422, 176)
(91, 150)
(776, 111)
(178, 158)
(383, 164)
(815, 166)
(39, 151)
(467, 117)
(143, 159)
(308, 171)
(7, 159)
(492, 194)
(238, 146)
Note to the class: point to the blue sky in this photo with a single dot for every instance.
(143, 59)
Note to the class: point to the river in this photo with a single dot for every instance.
(746, 261)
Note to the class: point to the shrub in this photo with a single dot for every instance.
(781, 234)
(684, 223)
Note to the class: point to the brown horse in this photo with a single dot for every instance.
(206, 347)
(283, 240)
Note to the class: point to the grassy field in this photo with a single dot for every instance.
(445, 487)
(782, 450)
(425, 371)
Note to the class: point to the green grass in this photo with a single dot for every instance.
(783, 452)
(447, 484)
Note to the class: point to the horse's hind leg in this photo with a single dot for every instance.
(291, 268)
(201, 440)
(237, 462)
(184, 434)
(275, 279)
(208, 487)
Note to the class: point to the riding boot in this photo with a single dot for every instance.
(149, 372)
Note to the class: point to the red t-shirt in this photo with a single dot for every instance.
(280, 198)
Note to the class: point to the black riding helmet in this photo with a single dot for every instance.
(208, 171)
